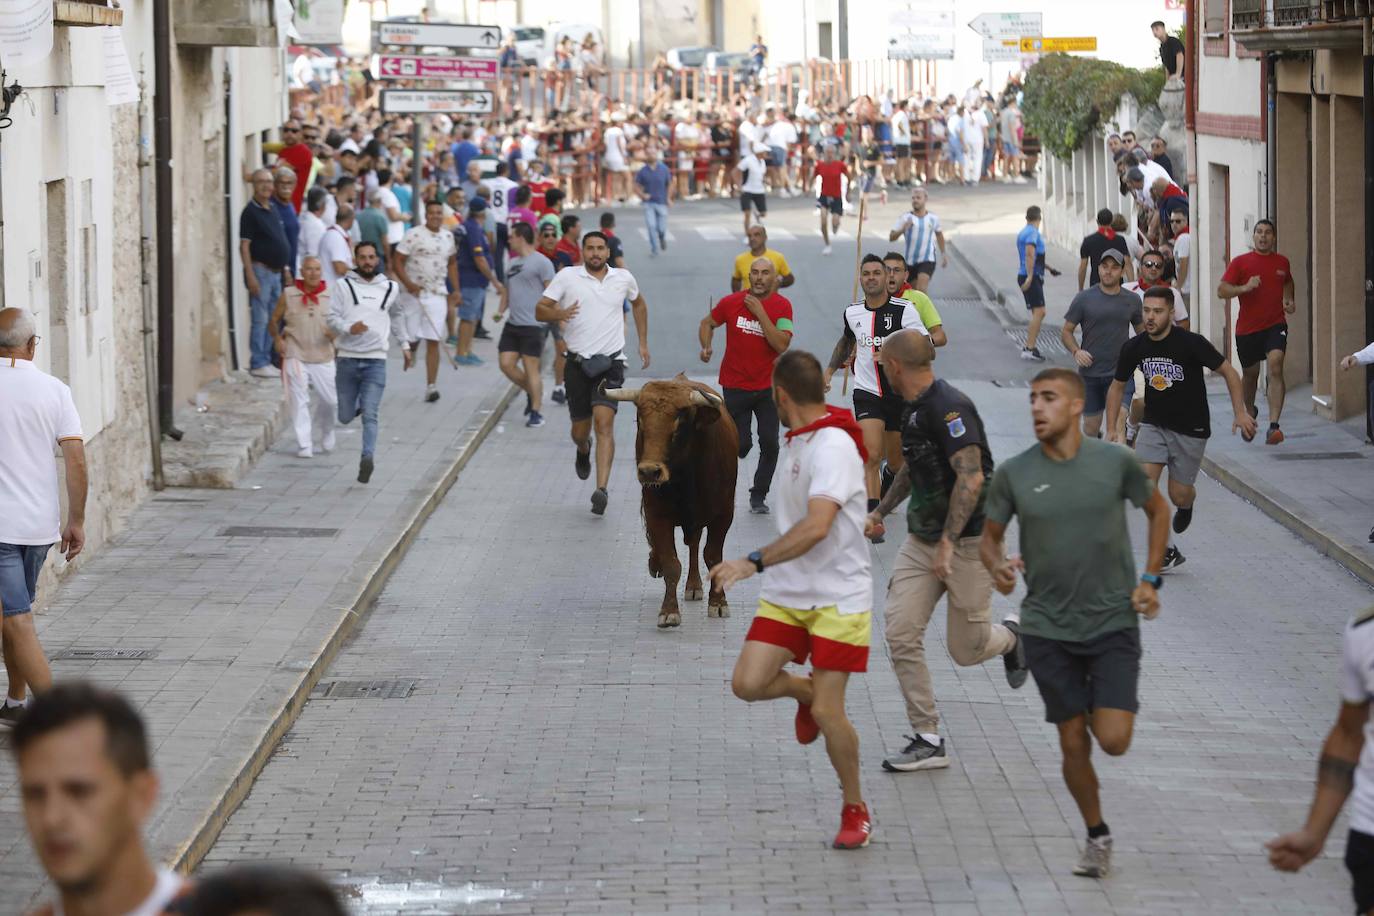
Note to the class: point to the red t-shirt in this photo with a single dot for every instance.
(748, 360)
(299, 157)
(1262, 307)
(830, 173)
(537, 191)
(570, 249)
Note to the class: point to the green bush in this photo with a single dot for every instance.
(1066, 97)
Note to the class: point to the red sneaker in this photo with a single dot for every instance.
(807, 729)
(1275, 436)
(855, 827)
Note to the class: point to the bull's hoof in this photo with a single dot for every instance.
(692, 593)
(718, 610)
(655, 571)
(668, 619)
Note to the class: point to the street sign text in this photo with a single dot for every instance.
(1051, 45)
(437, 101)
(439, 34)
(396, 66)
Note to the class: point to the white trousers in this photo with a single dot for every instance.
(973, 160)
(300, 379)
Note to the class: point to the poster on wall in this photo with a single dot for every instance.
(120, 86)
(25, 31)
(320, 22)
(920, 29)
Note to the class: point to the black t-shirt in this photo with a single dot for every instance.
(1092, 249)
(1164, 162)
(617, 249)
(937, 425)
(267, 242)
(1169, 50)
(1175, 393)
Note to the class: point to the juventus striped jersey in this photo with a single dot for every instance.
(867, 328)
(920, 236)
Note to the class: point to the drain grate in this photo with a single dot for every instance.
(1318, 456)
(1046, 343)
(123, 655)
(386, 689)
(959, 301)
(268, 531)
(1011, 383)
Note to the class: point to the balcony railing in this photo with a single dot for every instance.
(1335, 10)
(1296, 12)
(1247, 14)
(1296, 25)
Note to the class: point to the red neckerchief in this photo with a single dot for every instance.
(1180, 232)
(311, 296)
(1106, 232)
(904, 288)
(839, 418)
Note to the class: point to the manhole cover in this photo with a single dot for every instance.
(387, 689)
(1045, 343)
(129, 655)
(268, 531)
(1318, 456)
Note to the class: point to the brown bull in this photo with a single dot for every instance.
(687, 453)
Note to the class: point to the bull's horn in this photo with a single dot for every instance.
(618, 394)
(701, 399)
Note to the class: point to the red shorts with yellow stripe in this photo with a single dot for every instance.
(835, 641)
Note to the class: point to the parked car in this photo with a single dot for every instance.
(690, 56)
(530, 41)
(737, 66)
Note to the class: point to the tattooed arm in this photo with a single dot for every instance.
(968, 464)
(844, 349)
(1335, 779)
(898, 491)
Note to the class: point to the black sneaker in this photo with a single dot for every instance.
(9, 715)
(481, 333)
(1173, 559)
(432, 395)
(365, 469)
(1015, 660)
(1032, 354)
(583, 463)
(599, 498)
(757, 506)
(529, 406)
(559, 396)
(1182, 519)
(920, 754)
(887, 476)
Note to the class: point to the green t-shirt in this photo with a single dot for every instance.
(372, 224)
(1072, 515)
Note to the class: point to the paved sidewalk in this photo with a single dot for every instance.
(1319, 483)
(240, 597)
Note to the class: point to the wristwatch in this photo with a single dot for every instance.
(757, 559)
(1155, 580)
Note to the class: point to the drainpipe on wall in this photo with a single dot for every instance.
(1368, 204)
(146, 209)
(229, 282)
(1271, 152)
(162, 157)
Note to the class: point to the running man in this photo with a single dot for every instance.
(1107, 313)
(758, 248)
(832, 174)
(876, 406)
(1177, 420)
(423, 260)
(1078, 619)
(948, 464)
(1150, 276)
(923, 235)
(1030, 279)
(522, 339)
(1344, 768)
(753, 192)
(589, 300)
(1263, 280)
(758, 326)
(817, 591)
(897, 285)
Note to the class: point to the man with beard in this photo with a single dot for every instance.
(589, 298)
(364, 313)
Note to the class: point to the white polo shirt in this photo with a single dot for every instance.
(823, 464)
(36, 413)
(598, 328)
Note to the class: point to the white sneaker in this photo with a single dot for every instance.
(306, 452)
(328, 443)
(264, 372)
(825, 250)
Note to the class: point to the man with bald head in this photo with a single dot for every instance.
(947, 467)
(265, 252)
(758, 326)
(37, 414)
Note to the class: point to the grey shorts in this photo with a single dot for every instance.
(1181, 454)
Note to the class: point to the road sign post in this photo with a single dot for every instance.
(413, 67)
(1036, 45)
(439, 34)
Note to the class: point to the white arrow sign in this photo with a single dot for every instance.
(400, 66)
(1008, 25)
(445, 35)
(436, 101)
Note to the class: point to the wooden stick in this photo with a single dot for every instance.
(858, 257)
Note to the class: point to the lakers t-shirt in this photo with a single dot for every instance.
(1175, 392)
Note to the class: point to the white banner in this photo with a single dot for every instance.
(320, 22)
(920, 29)
(25, 31)
(121, 87)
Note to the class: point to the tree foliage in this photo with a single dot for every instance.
(1066, 97)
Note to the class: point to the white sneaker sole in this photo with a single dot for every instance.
(930, 763)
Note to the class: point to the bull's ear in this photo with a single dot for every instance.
(707, 415)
